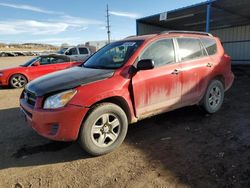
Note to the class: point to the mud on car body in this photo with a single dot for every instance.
(127, 81)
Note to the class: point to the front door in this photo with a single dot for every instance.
(73, 54)
(47, 65)
(159, 89)
(43, 68)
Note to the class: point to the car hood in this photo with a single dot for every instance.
(66, 79)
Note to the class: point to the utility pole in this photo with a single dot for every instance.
(108, 25)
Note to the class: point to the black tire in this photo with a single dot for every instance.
(213, 97)
(98, 136)
(18, 81)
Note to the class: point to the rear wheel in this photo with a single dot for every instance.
(214, 97)
(18, 81)
(104, 129)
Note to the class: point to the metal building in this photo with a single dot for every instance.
(227, 19)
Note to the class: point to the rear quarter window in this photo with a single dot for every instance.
(210, 45)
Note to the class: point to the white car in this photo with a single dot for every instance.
(76, 53)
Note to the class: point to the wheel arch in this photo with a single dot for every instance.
(11, 75)
(219, 77)
(203, 102)
(120, 101)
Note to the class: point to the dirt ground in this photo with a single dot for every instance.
(183, 148)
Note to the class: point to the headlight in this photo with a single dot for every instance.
(59, 100)
(1, 74)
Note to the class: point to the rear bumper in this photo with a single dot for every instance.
(61, 124)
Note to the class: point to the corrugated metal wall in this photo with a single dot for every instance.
(236, 40)
(144, 29)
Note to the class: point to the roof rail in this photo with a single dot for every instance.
(130, 36)
(187, 32)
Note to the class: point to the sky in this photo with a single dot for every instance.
(76, 21)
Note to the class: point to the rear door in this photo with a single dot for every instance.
(159, 89)
(84, 53)
(196, 66)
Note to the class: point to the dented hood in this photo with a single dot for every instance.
(66, 79)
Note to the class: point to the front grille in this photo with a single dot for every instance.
(29, 97)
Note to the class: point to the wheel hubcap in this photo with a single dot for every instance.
(105, 130)
(18, 81)
(214, 97)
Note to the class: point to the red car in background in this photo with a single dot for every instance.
(18, 77)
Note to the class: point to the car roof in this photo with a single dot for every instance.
(64, 57)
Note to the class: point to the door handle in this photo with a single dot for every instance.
(209, 65)
(175, 72)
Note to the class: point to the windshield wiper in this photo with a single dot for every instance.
(97, 67)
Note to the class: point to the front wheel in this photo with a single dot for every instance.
(18, 81)
(104, 129)
(214, 97)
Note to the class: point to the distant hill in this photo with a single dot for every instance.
(27, 47)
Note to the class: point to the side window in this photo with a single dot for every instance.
(190, 48)
(210, 45)
(72, 51)
(56, 60)
(44, 61)
(83, 51)
(161, 52)
(50, 60)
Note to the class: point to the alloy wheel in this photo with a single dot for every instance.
(18, 81)
(105, 130)
(214, 98)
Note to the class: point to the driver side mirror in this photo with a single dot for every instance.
(36, 63)
(145, 64)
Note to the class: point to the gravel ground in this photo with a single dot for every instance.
(183, 148)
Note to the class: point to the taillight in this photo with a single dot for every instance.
(227, 58)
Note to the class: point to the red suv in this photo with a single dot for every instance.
(127, 81)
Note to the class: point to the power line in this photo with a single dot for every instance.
(108, 24)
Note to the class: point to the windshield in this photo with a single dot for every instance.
(62, 51)
(113, 56)
(28, 63)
